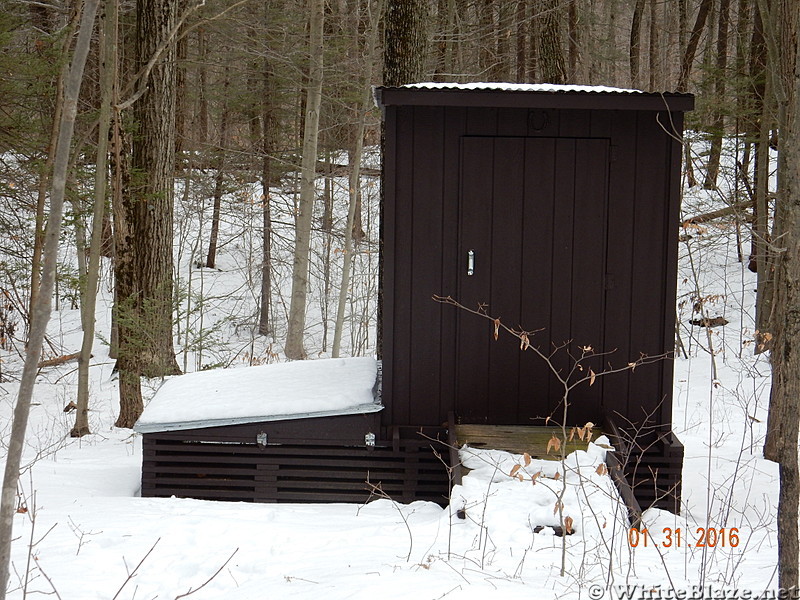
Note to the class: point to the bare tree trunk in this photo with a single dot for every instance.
(718, 126)
(297, 310)
(653, 66)
(202, 76)
(551, 53)
(355, 172)
(573, 41)
(635, 49)
(41, 313)
(44, 179)
(405, 42)
(522, 41)
(691, 47)
(144, 277)
(268, 126)
(108, 61)
(219, 178)
(781, 21)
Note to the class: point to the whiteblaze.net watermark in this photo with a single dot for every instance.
(695, 592)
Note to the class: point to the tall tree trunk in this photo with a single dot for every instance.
(355, 172)
(219, 177)
(691, 47)
(653, 65)
(635, 45)
(294, 348)
(781, 21)
(573, 41)
(405, 42)
(202, 86)
(146, 294)
(720, 75)
(41, 312)
(522, 41)
(268, 128)
(551, 53)
(108, 70)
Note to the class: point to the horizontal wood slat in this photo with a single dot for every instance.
(313, 470)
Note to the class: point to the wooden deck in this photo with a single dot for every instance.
(521, 438)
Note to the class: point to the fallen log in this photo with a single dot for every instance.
(716, 214)
(59, 360)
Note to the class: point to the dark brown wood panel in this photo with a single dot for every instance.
(619, 260)
(652, 233)
(508, 184)
(473, 341)
(506, 286)
(537, 272)
(426, 261)
(400, 372)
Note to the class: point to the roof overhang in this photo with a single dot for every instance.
(507, 95)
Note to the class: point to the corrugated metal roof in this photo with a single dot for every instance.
(522, 87)
(530, 95)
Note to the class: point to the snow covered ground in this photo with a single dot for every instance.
(82, 531)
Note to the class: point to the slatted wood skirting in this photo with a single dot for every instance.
(186, 464)
(652, 465)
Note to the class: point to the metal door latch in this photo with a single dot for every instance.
(471, 262)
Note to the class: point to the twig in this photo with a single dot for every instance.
(47, 577)
(133, 573)
(210, 579)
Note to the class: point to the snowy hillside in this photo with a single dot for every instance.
(83, 532)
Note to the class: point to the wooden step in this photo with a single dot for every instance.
(520, 438)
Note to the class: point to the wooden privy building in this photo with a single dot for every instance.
(556, 210)
(552, 208)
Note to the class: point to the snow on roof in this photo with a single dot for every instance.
(522, 87)
(302, 389)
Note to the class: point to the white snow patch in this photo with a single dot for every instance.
(266, 392)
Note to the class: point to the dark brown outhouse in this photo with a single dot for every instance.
(556, 210)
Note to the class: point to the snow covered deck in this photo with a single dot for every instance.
(295, 390)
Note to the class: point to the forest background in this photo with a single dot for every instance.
(277, 94)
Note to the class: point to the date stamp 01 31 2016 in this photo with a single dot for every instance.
(705, 537)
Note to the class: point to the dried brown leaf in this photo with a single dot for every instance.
(553, 443)
(568, 522)
(514, 470)
(496, 329)
(592, 377)
(526, 458)
(601, 469)
(520, 477)
(557, 476)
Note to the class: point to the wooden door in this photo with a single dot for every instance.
(532, 252)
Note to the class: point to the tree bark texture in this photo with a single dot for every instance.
(294, 348)
(635, 50)
(782, 28)
(108, 60)
(268, 130)
(551, 52)
(405, 41)
(720, 75)
(41, 312)
(144, 275)
(151, 200)
(219, 177)
(691, 47)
